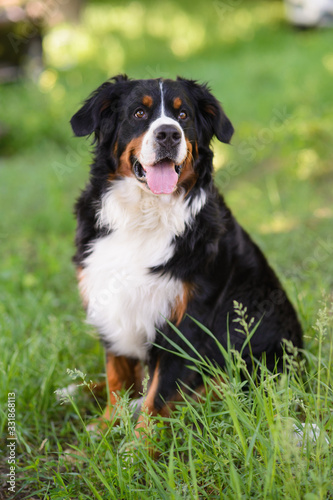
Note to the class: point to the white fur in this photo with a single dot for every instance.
(162, 99)
(126, 302)
(148, 153)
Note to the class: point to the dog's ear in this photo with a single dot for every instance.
(104, 99)
(212, 119)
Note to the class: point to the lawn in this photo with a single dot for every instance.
(275, 84)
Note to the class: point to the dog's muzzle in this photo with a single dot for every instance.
(161, 159)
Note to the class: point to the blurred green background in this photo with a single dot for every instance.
(275, 83)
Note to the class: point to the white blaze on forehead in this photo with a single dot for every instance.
(162, 99)
(148, 151)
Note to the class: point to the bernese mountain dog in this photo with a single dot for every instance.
(157, 246)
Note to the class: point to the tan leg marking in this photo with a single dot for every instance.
(121, 372)
(148, 407)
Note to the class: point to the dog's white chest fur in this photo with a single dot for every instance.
(125, 300)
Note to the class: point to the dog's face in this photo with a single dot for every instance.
(153, 129)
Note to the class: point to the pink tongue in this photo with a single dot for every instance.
(162, 177)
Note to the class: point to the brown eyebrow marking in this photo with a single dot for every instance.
(177, 102)
(147, 100)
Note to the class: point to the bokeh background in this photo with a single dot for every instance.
(275, 83)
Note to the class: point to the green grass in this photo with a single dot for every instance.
(275, 85)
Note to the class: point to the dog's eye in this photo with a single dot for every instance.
(182, 115)
(140, 113)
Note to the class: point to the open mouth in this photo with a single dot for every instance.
(161, 177)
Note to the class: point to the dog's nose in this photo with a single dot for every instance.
(167, 136)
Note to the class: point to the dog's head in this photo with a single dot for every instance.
(153, 130)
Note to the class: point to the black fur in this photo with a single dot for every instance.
(215, 255)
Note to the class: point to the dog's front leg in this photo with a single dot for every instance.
(162, 392)
(121, 373)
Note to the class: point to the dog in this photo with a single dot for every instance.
(157, 246)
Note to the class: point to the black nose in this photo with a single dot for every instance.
(167, 135)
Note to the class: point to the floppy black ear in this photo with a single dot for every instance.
(211, 116)
(87, 120)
